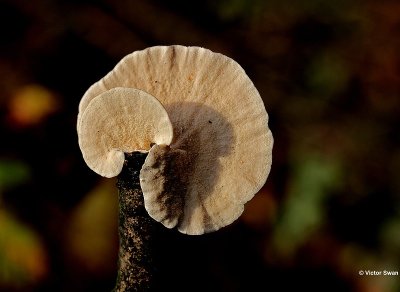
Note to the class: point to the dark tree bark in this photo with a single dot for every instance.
(136, 228)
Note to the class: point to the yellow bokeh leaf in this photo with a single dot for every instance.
(23, 258)
(31, 104)
(92, 233)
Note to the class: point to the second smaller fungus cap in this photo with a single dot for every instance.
(118, 121)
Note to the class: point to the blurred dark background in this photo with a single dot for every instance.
(329, 75)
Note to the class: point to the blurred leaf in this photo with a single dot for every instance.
(93, 230)
(12, 173)
(23, 259)
(390, 238)
(31, 104)
(327, 74)
(234, 9)
(303, 211)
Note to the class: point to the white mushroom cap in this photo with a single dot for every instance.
(117, 121)
(219, 119)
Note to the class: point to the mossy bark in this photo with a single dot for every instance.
(136, 228)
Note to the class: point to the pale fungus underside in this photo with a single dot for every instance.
(213, 147)
(118, 121)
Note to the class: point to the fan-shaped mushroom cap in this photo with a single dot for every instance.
(117, 121)
(163, 179)
(219, 119)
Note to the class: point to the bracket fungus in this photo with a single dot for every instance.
(198, 176)
(118, 121)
